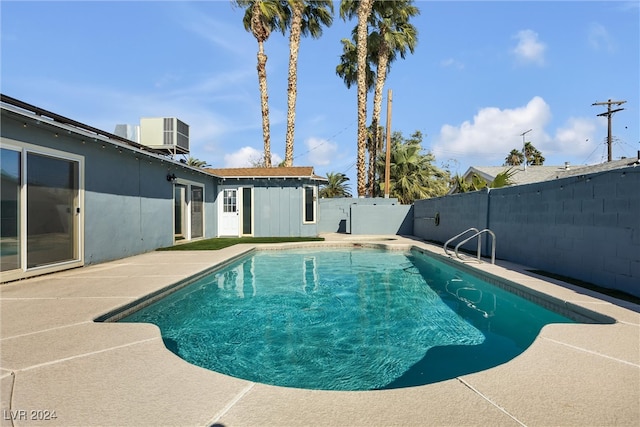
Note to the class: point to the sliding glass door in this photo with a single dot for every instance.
(10, 210)
(41, 210)
(188, 212)
(52, 210)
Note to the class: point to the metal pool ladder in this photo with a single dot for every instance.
(478, 234)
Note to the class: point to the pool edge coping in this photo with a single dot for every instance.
(572, 310)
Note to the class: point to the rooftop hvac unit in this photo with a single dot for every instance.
(165, 133)
(131, 132)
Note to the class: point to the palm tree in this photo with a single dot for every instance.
(412, 174)
(346, 69)
(196, 163)
(307, 18)
(392, 35)
(374, 144)
(532, 155)
(515, 158)
(336, 187)
(260, 19)
(361, 8)
(537, 159)
(503, 179)
(476, 182)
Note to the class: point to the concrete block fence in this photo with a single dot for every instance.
(586, 227)
(365, 216)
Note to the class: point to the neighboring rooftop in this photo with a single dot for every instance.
(277, 172)
(546, 173)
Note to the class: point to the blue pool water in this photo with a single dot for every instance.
(345, 319)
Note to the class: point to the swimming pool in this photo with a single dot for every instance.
(345, 319)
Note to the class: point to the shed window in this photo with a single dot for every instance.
(309, 204)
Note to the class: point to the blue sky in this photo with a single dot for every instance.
(482, 74)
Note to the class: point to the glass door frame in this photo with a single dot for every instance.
(78, 224)
(186, 210)
(180, 207)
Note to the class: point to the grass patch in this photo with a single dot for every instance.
(224, 242)
(606, 291)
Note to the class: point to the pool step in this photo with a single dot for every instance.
(410, 268)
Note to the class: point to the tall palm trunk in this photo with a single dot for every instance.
(264, 103)
(381, 76)
(292, 88)
(262, 33)
(364, 10)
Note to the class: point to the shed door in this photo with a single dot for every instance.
(229, 223)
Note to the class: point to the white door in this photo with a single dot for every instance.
(229, 222)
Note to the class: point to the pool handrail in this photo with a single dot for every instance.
(479, 236)
(460, 235)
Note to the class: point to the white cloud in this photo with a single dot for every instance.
(529, 49)
(275, 158)
(241, 158)
(246, 157)
(321, 152)
(599, 38)
(494, 132)
(575, 138)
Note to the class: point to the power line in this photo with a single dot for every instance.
(608, 114)
(330, 139)
(624, 146)
(592, 153)
(347, 170)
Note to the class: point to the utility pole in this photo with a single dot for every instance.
(524, 148)
(609, 113)
(387, 163)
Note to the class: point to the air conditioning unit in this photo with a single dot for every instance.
(131, 132)
(165, 133)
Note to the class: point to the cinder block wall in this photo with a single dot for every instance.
(381, 219)
(586, 227)
(455, 214)
(336, 215)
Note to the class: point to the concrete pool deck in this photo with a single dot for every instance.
(55, 358)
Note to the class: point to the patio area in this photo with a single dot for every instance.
(55, 360)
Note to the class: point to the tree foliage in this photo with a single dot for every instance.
(196, 163)
(476, 182)
(413, 174)
(515, 158)
(336, 186)
(532, 155)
